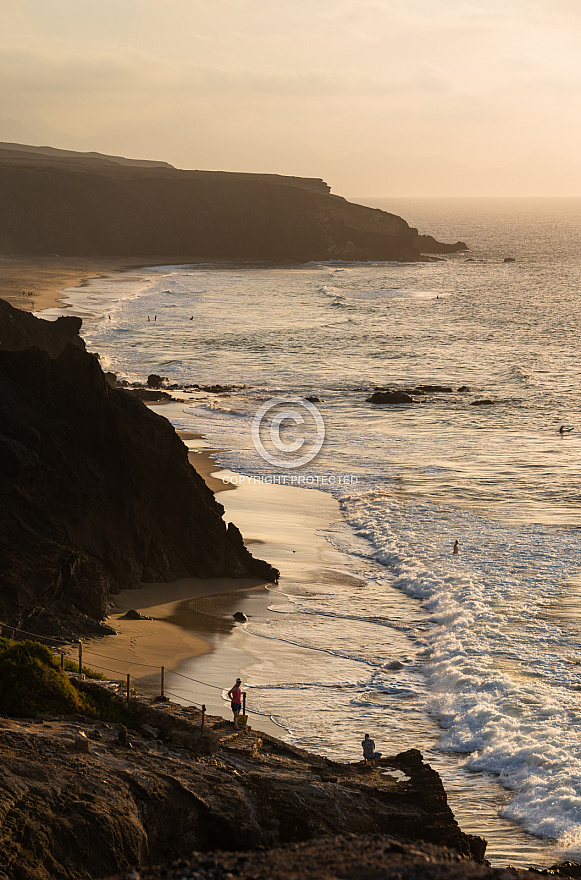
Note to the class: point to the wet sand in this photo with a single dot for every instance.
(280, 524)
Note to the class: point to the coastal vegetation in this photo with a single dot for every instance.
(33, 684)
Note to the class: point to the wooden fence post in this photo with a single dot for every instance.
(162, 694)
(80, 659)
(128, 686)
(203, 716)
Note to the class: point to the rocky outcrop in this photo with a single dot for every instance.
(96, 494)
(67, 205)
(170, 788)
(427, 244)
(392, 398)
(20, 330)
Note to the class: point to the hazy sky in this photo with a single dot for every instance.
(379, 97)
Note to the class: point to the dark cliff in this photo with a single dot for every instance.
(96, 491)
(78, 205)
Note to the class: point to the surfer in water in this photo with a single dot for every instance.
(564, 430)
(456, 549)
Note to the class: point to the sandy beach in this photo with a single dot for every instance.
(35, 283)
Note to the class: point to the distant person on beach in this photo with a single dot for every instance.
(368, 746)
(235, 694)
(456, 549)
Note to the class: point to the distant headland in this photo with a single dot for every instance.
(58, 202)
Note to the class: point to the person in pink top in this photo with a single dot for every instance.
(235, 694)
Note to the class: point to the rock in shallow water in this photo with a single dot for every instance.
(390, 397)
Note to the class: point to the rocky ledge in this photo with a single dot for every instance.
(341, 857)
(96, 491)
(85, 799)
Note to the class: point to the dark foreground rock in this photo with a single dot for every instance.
(20, 330)
(344, 857)
(157, 794)
(148, 395)
(96, 495)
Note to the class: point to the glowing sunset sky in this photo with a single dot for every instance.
(379, 97)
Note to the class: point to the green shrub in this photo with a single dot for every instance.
(71, 666)
(32, 683)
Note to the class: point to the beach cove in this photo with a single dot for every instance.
(476, 662)
(192, 631)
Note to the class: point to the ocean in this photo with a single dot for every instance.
(473, 658)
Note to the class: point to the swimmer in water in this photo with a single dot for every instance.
(456, 549)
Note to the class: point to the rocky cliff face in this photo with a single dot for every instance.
(96, 491)
(81, 206)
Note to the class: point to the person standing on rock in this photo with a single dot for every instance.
(235, 694)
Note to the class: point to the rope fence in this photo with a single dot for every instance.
(75, 652)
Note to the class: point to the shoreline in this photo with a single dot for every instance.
(217, 653)
(39, 282)
(193, 633)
